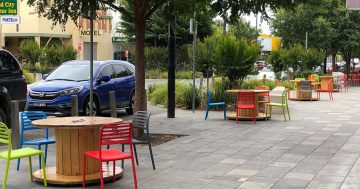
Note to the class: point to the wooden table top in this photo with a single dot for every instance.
(326, 76)
(74, 122)
(246, 90)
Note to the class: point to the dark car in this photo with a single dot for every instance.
(53, 93)
(12, 84)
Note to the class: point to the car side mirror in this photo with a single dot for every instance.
(104, 78)
(45, 76)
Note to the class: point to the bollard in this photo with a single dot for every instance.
(113, 109)
(74, 105)
(15, 129)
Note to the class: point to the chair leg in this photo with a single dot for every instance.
(254, 116)
(137, 161)
(225, 112)
(151, 155)
(122, 161)
(18, 162)
(283, 108)
(287, 107)
(39, 148)
(134, 171)
(6, 173)
(237, 115)
(114, 171)
(84, 171)
(207, 113)
(44, 169)
(30, 168)
(101, 175)
(46, 149)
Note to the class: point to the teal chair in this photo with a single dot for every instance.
(284, 105)
(10, 154)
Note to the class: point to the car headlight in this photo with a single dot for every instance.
(71, 91)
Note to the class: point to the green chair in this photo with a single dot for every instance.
(17, 154)
(283, 105)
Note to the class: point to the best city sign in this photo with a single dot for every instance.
(8, 7)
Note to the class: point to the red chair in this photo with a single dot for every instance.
(246, 100)
(344, 81)
(111, 134)
(355, 77)
(330, 89)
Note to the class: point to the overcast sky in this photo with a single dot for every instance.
(263, 25)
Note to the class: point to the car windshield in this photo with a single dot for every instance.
(71, 72)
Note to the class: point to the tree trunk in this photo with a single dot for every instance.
(140, 92)
(333, 59)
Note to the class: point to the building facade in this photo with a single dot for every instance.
(43, 31)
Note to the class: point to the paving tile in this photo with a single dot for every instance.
(290, 184)
(329, 178)
(350, 186)
(255, 185)
(233, 161)
(245, 172)
(216, 184)
(299, 176)
(334, 170)
(271, 171)
(323, 185)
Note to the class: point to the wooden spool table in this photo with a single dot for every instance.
(324, 83)
(74, 136)
(303, 96)
(247, 114)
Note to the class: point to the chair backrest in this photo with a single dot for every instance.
(208, 93)
(305, 84)
(246, 96)
(115, 133)
(5, 137)
(330, 85)
(300, 79)
(284, 97)
(141, 120)
(27, 117)
(265, 94)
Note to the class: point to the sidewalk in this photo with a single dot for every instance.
(318, 148)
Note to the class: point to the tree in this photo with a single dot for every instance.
(234, 58)
(242, 29)
(157, 34)
(30, 51)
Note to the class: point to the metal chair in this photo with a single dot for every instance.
(283, 105)
(112, 134)
(141, 121)
(10, 154)
(330, 89)
(26, 118)
(209, 104)
(305, 87)
(246, 100)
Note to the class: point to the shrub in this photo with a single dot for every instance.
(156, 58)
(183, 95)
(29, 77)
(30, 51)
(57, 54)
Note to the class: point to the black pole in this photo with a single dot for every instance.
(91, 61)
(171, 62)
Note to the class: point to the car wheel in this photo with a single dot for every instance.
(95, 105)
(130, 110)
(3, 116)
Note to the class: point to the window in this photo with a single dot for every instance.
(8, 64)
(121, 71)
(106, 71)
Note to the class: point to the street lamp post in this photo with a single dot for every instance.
(171, 62)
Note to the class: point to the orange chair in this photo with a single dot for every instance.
(111, 134)
(265, 97)
(246, 100)
(330, 89)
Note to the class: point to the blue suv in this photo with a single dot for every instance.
(53, 93)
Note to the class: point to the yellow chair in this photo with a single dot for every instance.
(10, 154)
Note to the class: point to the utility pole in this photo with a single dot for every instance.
(193, 30)
(306, 40)
(171, 62)
(91, 58)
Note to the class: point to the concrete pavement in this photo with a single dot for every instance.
(318, 148)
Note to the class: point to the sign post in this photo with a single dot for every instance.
(8, 13)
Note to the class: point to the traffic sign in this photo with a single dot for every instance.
(10, 20)
(353, 4)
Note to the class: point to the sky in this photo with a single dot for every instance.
(262, 24)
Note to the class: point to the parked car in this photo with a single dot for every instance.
(260, 65)
(267, 72)
(53, 93)
(12, 85)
